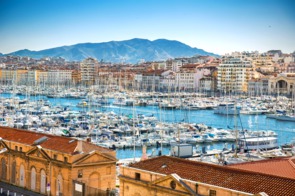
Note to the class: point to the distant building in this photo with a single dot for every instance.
(89, 69)
(54, 165)
(209, 73)
(11, 76)
(258, 87)
(233, 75)
(282, 84)
(151, 80)
(291, 68)
(168, 81)
(58, 77)
(207, 84)
(169, 64)
(76, 76)
(186, 79)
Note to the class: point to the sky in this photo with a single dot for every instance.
(218, 26)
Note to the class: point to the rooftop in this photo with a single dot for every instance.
(283, 167)
(232, 178)
(52, 142)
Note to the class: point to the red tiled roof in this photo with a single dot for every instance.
(190, 65)
(283, 167)
(56, 143)
(232, 178)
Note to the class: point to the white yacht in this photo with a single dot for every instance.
(227, 109)
(287, 117)
(258, 143)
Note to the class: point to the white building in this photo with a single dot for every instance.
(258, 87)
(59, 76)
(32, 77)
(177, 63)
(168, 80)
(186, 80)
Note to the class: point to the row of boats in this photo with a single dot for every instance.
(277, 109)
(121, 131)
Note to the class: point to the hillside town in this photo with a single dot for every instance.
(250, 73)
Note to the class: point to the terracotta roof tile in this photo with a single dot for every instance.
(232, 178)
(56, 143)
(283, 167)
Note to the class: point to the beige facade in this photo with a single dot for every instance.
(77, 168)
(233, 75)
(139, 182)
(186, 80)
(42, 77)
(168, 175)
(89, 69)
(9, 76)
(282, 84)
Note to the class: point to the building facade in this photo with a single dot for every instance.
(10, 76)
(89, 69)
(59, 77)
(282, 84)
(174, 176)
(233, 75)
(54, 165)
(258, 87)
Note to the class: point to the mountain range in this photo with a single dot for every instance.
(130, 51)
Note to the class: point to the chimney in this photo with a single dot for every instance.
(79, 147)
(144, 155)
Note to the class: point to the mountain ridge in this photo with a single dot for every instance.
(130, 51)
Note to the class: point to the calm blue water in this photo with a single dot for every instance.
(285, 130)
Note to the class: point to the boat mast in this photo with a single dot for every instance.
(133, 116)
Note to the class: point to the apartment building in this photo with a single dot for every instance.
(234, 74)
(185, 80)
(258, 87)
(168, 81)
(186, 77)
(59, 76)
(89, 69)
(151, 80)
(12, 76)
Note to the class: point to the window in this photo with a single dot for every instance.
(212, 193)
(16, 148)
(137, 176)
(65, 159)
(20, 149)
(80, 173)
(173, 184)
(54, 156)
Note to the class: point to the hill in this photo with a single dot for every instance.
(117, 51)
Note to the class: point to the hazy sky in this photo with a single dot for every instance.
(218, 26)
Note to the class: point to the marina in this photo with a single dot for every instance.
(118, 121)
